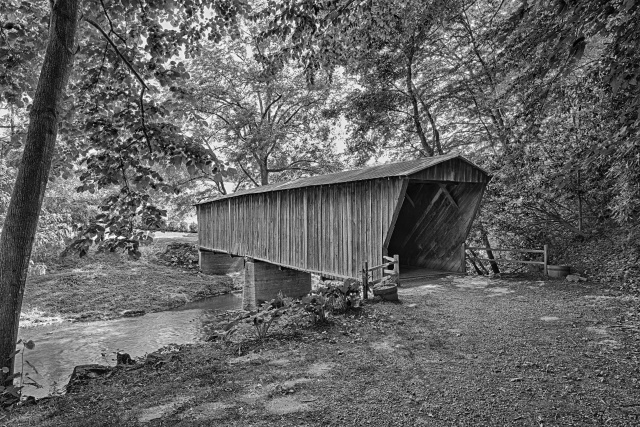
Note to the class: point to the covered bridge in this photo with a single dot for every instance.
(420, 210)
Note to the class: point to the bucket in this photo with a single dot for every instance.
(558, 271)
(387, 293)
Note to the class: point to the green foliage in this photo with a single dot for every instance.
(268, 313)
(115, 133)
(334, 298)
(574, 71)
(259, 114)
(317, 305)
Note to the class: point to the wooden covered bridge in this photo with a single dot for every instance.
(420, 210)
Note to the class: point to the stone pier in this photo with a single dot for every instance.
(263, 281)
(218, 263)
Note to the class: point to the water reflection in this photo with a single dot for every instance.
(59, 348)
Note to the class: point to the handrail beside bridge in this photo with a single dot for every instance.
(393, 273)
(544, 251)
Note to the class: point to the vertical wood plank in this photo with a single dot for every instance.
(305, 241)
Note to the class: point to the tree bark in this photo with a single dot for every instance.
(264, 173)
(484, 269)
(485, 241)
(436, 133)
(416, 109)
(21, 221)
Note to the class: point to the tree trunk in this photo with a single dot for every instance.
(484, 269)
(21, 221)
(264, 174)
(416, 109)
(475, 266)
(485, 242)
(436, 133)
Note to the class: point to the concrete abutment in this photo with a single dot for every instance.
(219, 263)
(263, 281)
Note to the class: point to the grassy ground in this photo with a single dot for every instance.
(103, 286)
(464, 351)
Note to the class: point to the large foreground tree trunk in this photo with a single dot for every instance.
(21, 221)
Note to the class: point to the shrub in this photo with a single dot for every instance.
(318, 305)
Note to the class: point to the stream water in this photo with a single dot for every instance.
(60, 347)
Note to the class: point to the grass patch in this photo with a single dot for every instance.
(103, 285)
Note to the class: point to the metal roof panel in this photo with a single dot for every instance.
(372, 172)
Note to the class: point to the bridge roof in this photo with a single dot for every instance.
(396, 169)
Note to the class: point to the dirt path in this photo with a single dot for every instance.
(462, 351)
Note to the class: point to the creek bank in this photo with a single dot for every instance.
(110, 287)
(60, 347)
(454, 351)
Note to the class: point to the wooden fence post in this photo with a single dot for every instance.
(546, 259)
(396, 269)
(464, 257)
(365, 280)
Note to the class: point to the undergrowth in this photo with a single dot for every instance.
(313, 309)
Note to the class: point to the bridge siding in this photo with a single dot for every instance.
(280, 230)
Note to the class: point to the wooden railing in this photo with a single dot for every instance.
(544, 252)
(387, 262)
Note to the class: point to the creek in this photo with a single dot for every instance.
(61, 347)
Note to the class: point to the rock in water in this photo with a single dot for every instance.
(133, 313)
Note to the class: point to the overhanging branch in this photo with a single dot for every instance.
(113, 45)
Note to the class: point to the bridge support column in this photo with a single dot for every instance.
(263, 281)
(218, 264)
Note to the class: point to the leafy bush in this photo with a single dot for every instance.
(331, 299)
(342, 297)
(317, 305)
(268, 313)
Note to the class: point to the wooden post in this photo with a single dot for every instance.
(464, 258)
(365, 280)
(396, 269)
(546, 259)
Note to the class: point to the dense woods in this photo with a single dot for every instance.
(135, 109)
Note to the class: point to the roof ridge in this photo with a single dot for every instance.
(384, 170)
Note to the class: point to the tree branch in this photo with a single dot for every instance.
(144, 125)
(104, 8)
(248, 175)
(113, 45)
(266, 110)
(290, 166)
